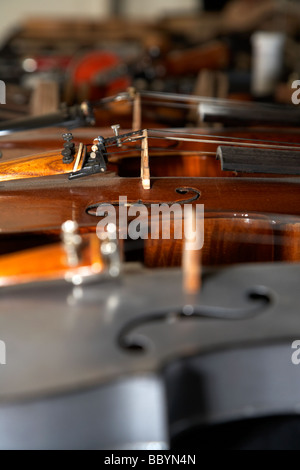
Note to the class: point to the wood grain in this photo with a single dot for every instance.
(227, 240)
(34, 166)
(39, 204)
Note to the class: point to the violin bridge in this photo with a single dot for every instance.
(145, 169)
(136, 109)
(191, 266)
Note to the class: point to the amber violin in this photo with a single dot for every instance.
(241, 223)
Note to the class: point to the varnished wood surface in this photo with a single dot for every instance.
(212, 56)
(242, 216)
(233, 240)
(289, 250)
(45, 203)
(39, 165)
(49, 263)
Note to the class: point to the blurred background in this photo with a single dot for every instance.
(236, 49)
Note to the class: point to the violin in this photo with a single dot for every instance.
(234, 205)
(134, 347)
(173, 153)
(133, 109)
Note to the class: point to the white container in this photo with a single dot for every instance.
(268, 50)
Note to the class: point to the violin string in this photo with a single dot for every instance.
(150, 96)
(181, 152)
(237, 139)
(240, 144)
(164, 150)
(211, 100)
(190, 100)
(160, 149)
(183, 101)
(207, 138)
(195, 106)
(196, 152)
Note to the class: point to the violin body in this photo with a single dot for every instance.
(126, 348)
(241, 223)
(237, 213)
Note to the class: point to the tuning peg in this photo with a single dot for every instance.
(68, 136)
(116, 128)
